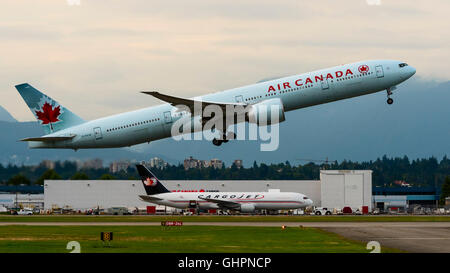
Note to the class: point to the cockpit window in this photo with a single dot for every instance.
(305, 197)
(403, 64)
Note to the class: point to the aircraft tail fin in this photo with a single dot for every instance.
(49, 113)
(151, 184)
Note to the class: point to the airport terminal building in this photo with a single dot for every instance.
(335, 189)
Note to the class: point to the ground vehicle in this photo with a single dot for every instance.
(36, 211)
(118, 211)
(25, 212)
(188, 212)
(298, 212)
(321, 211)
(347, 210)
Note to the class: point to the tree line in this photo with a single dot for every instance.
(424, 172)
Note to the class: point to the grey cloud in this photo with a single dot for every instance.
(263, 9)
(104, 32)
(27, 32)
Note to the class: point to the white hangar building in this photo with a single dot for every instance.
(335, 189)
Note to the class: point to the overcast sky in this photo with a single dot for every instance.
(95, 57)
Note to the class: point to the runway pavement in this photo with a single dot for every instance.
(377, 225)
(430, 237)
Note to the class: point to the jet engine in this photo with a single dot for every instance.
(247, 207)
(267, 112)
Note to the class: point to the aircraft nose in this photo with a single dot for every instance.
(412, 71)
(309, 202)
(407, 72)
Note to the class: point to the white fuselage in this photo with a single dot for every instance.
(259, 200)
(298, 91)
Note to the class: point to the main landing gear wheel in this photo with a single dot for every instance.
(217, 142)
(390, 101)
(226, 138)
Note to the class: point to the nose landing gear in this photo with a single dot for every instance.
(389, 93)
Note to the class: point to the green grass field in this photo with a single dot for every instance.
(189, 239)
(217, 218)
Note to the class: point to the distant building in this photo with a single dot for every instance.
(238, 163)
(117, 166)
(49, 164)
(447, 201)
(404, 197)
(79, 164)
(205, 163)
(336, 189)
(157, 162)
(96, 164)
(216, 163)
(192, 163)
(22, 200)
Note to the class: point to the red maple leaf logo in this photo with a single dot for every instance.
(150, 181)
(48, 115)
(363, 68)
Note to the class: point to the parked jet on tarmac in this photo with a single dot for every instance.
(64, 129)
(240, 201)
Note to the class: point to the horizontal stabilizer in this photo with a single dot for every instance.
(148, 198)
(47, 139)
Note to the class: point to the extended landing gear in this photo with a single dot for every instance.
(225, 138)
(389, 93)
(217, 142)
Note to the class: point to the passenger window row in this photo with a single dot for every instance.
(355, 76)
(290, 90)
(297, 88)
(181, 114)
(253, 98)
(132, 124)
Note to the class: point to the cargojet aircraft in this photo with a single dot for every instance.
(239, 201)
(64, 129)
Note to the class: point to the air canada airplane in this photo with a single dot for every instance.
(239, 201)
(64, 129)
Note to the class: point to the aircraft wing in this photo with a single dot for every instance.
(223, 203)
(176, 101)
(49, 138)
(149, 198)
